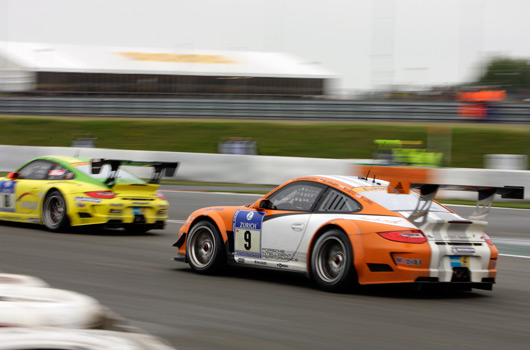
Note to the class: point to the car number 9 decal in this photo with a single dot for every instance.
(7, 196)
(247, 233)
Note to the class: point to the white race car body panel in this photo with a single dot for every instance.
(457, 244)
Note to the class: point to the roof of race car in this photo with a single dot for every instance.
(353, 181)
(64, 159)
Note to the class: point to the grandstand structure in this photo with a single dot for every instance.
(73, 69)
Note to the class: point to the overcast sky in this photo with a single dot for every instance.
(366, 43)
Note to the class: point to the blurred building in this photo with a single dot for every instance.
(41, 68)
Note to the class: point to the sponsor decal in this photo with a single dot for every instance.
(140, 203)
(240, 260)
(81, 205)
(87, 199)
(29, 205)
(246, 226)
(370, 188)
(7, 196)
(56, 172)
(464, 250)
(116, 204)
(259, 262)
(34, 220)
(456, 236)
(115, 211)
(386, 221)
(408, 261)
(216, 209)
(275, 254)
(399, 187)
(282, 266)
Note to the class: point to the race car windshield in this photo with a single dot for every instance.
(400, 202)
(122, 174)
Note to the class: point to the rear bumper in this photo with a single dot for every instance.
(149, 216)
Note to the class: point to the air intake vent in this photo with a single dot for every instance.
(380, 268)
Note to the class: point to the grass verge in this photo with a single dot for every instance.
(341, 140)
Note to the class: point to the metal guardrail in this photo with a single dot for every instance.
(249, 109)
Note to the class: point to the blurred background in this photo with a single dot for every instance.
(365, 46)
(460, 62)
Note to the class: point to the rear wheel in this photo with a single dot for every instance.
(332, 262)
(54, 215)
(204, 248)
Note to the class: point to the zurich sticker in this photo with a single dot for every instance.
(246, 226)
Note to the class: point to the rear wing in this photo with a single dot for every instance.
(485, 198)
(161, 168)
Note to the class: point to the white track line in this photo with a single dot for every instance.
(223, 193)
(516, 256)
(177, 221)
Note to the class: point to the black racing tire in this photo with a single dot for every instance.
(205, 249)
(54, 212)
(332, 262)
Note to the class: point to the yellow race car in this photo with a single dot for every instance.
(59, 192)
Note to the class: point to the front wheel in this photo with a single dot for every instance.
(54, 215)
(204, 249)
(332, 262)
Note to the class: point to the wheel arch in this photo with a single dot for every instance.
(70, 204)
(352, 233)
(215, 220)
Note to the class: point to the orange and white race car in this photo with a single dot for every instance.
(344, 231)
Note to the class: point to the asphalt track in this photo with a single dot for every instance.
(257, 309)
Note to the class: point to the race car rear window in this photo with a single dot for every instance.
(400, 202)
(105, 171)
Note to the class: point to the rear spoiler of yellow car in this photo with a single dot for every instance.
(161, 168)
(428, 191)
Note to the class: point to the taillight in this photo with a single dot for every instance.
(159, 195)
(405, 236)
(487, 239)
(101, 194)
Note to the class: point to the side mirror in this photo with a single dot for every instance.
(266, 204)
(14, 175)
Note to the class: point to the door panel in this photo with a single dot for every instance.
(281, 234)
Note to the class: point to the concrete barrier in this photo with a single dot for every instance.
(268, 170)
